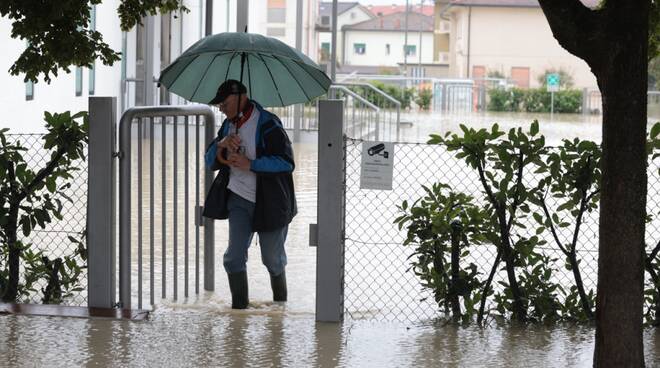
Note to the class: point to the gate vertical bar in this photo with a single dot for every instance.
(140, 127)
(198, 213)
(330, 251)
(101, 210)
(152, 223)
(209, 235)
(175, 232)
(186, 211)
(163, 207)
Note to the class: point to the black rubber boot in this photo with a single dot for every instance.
(278, 284)
(238, 284)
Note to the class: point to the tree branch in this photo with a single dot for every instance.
(578, 222)
(576, 28)
(516, 199)
(42, 174)
(552, 226)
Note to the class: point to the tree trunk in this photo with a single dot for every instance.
(613, 40)
(620, 290)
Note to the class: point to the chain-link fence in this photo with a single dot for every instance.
(54, 240)
(378, 282)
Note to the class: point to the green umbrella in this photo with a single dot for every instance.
(274, 73)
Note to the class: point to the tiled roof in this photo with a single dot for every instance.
(325, 8)
(380, 10)
(395, 22)
(512, 3)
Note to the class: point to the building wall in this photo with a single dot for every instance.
(26, 116)
(23, 116)
(376, 41)
(504, 38)
(258, 23)
(353, 16)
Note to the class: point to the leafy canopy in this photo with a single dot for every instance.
(57, 33)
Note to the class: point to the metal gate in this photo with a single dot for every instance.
(152, 138)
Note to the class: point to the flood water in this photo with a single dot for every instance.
(202, 330)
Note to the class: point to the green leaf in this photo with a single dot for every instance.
(534, 129)
(655, 130)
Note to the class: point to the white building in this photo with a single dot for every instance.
(23, 104)
(511, 38)
(382, 41)
(347, 13)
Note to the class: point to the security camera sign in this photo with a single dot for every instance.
(377, 165)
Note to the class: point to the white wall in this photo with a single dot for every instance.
(345, 18)
(376, 41)
(502, 38)
(23, 116)
(27, 116)
(258, 23)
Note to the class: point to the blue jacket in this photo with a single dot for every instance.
(275, 197)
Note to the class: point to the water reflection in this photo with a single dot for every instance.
(207, 336)
(204, 331)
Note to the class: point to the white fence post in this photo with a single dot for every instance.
(330, 213)
(101, 198)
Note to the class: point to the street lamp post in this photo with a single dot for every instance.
(405, 44)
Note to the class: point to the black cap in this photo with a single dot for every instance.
(228, 87)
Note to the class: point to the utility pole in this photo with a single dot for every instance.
(298, 108)
(421, 30)
(209, 18)
(405, 44)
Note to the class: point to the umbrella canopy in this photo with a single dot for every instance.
(274, 73)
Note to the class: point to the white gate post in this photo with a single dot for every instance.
(330, 213)
(101, 198)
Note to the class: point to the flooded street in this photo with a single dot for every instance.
(203, 330)
(210, 336)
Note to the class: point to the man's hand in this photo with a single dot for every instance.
(230, 142)
(239, 161)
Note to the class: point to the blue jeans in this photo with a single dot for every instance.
(241, 214)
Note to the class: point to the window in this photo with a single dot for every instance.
(359, 48)
(275, 31)
(387, 49)
(325, 20)
(79, 81)
(352, 15)
(325, 51)
(29, 90)
(410, 50)
(276, 11)
(520, 76)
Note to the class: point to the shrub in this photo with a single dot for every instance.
(424, 98)
(505, 100)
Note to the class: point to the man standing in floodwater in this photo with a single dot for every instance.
(253, 188)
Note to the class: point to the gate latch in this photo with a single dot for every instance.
(313, 235)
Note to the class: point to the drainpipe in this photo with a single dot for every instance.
(333, 52)
(468, 39)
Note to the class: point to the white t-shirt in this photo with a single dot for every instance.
(244, 182)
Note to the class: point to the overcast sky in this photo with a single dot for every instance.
(390, 2)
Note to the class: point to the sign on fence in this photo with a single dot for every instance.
(377, 165)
